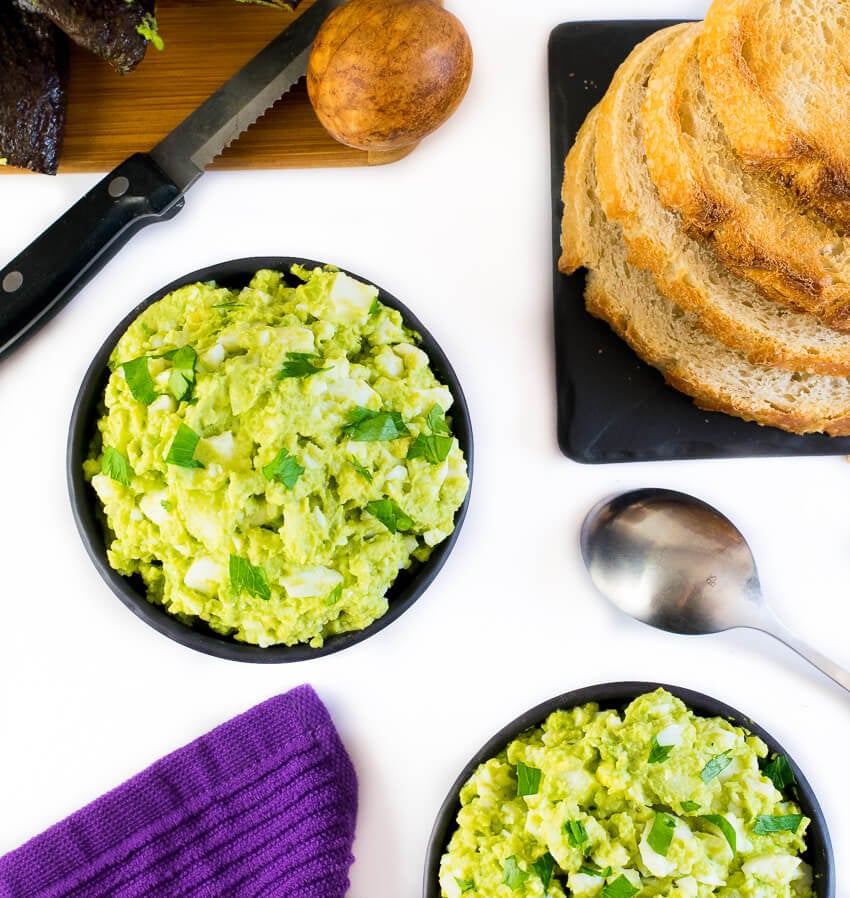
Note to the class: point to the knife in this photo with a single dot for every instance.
(147, 187)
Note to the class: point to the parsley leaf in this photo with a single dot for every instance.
(658, 752)
(592, 870)
(284, 469)
(726, 828)
(182, 449)
(139, 380)
(544, 866)
(300, 364)
(527, 779)
(715, 766)
(250, 577)
(375, 307)
(619, 888)
(465, 885)
(780, 773)
(575, 832)
(116, 465)
(437, 421)
(389, 514)
(514, 877)
(689, 807)
(767, 823)
(364, 472)
(367, 426)
(434, 449)
(334, 595)
(182, 376)
(661, 834)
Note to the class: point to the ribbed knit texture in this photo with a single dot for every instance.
(263, 805)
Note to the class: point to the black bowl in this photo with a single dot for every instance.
(617, 695)
(408, 586)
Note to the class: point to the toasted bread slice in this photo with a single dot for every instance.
(777, 76)
(716, 377)
(755, 223)
(686, 270)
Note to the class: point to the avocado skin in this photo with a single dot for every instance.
(33, 82)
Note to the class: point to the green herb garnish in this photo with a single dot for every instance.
(780, 773)
(514, 877)
(284, 469)
(726, 828)
(690, 806)
(591, 869)
(575, 832)
(116, 465)
(334, 595)
(182, 449)
(658, 752)
(527, 779)
(390, 515)
(661, 834)
(250, 577)
(715, 766)
(139, 380)
(367, 426)
(544, 866)
(375, 307)
(182, 376)
(767, 823)
(465, 885)
(435, 446)
(619, 888)
(364, 472)
(434, 449)
(300, 364)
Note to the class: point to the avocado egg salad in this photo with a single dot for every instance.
(655, 801)
(269, 458)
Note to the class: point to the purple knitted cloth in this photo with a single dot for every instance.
(263, 805)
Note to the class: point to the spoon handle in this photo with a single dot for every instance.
(821, 662)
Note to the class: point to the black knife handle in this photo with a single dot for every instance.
(43, 278)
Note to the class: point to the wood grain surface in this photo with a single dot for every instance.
(206, 41)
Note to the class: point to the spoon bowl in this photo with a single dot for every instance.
(676, 563)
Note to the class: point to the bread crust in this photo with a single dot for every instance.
(717, 377)
(756, 225)
(712, 334)
(685, 270)
(604, 298)
(754, 80)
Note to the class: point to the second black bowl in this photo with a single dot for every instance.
(617, 696)
(406, 589)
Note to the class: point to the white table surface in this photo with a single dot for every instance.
(460, 231)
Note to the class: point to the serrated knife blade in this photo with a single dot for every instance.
(147, 187)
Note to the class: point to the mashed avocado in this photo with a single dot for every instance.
(269, 458)
(652, 802)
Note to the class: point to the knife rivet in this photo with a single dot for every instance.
(118, 186)
(12, 281)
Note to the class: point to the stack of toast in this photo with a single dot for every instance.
(708, 197)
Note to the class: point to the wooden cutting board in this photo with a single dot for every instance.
(206, 41)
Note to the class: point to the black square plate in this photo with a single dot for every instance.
(612, 406)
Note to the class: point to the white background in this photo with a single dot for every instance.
(460, 232)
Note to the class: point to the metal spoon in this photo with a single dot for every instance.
(678, 564)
